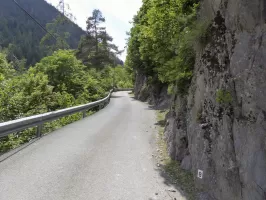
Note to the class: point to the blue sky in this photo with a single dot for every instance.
(118, 14)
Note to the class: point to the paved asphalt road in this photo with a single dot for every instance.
(107, 156)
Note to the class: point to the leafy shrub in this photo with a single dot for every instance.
(170, 89)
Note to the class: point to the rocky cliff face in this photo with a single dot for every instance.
(220, 126)
(154, 93)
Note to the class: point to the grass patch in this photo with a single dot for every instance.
(181, 178)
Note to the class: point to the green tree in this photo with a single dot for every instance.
(65, 72)
(94, 29)
(6, 70)
(56, 38)
(122, 77)
(160, 43)
(96, 48)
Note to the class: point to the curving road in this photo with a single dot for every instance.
(107, 156)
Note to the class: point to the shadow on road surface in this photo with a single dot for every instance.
(133, 99)
(10, 153)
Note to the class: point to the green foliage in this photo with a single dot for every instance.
(56, 82)
(96, 49)
(64, 72)
(122, 78)
(224, 97)
(6, 70)
(58, 39)
(170, 89)
(59, 80)
(162, 41)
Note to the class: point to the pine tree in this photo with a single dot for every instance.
(96, 48)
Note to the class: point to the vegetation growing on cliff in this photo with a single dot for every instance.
(223, 97)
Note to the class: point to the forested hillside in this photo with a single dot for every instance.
(22, 36)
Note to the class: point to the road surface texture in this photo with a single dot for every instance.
(107, 156)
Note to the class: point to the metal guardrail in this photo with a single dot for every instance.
(9, 127)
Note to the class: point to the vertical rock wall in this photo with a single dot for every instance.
(220, 127)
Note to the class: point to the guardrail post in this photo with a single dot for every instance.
(39, 131)
(83, 114)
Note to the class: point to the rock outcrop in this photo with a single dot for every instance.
(154, 93)
(220, 126)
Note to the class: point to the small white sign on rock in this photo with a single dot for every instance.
(200, 174)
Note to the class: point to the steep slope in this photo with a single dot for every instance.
(18, 29)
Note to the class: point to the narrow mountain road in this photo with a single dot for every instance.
(107, 156)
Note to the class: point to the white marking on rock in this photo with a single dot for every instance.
(200, 174)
